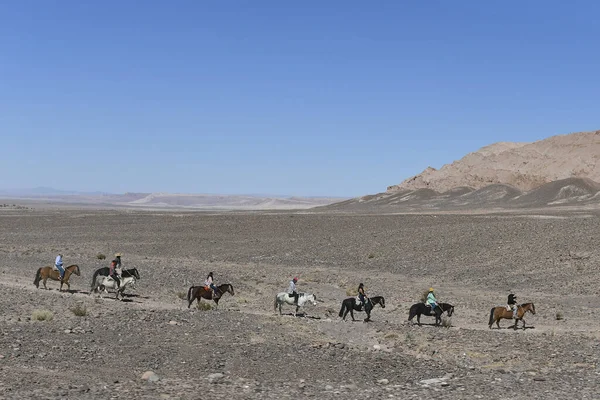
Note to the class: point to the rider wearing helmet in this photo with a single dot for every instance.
(292, 291)
(512, 304)
(210, 283)
(431, 300)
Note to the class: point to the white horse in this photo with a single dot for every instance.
(303, 299)
(106, 282)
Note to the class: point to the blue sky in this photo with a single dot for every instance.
(339, 98)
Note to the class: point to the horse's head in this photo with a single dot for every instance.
(230, 289)
(74, 269)
(529, 307)
(313, 299)
(136, 273)
(450, 310)
(382, 302)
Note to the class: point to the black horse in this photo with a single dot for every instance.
(350, 305)
(423, 309)
(105, 270)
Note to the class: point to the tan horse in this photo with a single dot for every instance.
(48, 272)
(498, 313)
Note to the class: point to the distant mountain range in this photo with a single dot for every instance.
(168, 200)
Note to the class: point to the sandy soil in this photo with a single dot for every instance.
(246, 350)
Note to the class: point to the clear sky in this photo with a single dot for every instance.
(309, 97)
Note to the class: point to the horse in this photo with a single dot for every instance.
(104, 282)
(104, 271)
(202, 292)
(498, 313)
(423, 309)
(44, 273)
(303, 299)
(350, 305)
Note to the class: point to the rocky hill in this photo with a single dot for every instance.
(525, 166)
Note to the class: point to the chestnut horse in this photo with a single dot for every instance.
(201, 292)
(498, 313)
(44, 273)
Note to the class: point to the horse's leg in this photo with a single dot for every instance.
(523, 320)
(419, 319)
(352, 313)
(44, 281)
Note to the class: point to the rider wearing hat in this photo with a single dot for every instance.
(292, 290)
(209, 283)
(115, 269)
(431, 300)
(512, 304)
(58, 263)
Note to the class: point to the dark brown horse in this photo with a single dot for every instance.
(202, 292)
(44, 273)
(498, 313)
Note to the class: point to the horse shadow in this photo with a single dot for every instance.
(302, 315)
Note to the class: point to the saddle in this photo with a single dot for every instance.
(54, 267)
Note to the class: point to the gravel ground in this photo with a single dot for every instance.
(244, 349)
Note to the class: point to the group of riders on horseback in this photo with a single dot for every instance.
(362, 302)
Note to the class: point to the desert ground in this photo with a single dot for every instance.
(244, 349)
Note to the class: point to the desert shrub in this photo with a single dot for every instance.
(352, 292)
(371, 255)
(181, 295)
(202, 306)
(559, 315)
(79, 310)
(42, 315)
(100, 256)
(424, 296)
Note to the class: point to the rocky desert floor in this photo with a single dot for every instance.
(244, 349)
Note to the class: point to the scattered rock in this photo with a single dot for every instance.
(150, 376)
(216, 377)
(383, 381)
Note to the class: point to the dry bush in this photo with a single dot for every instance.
(352, 292)
(181, 295)
(559, 315)
(42, 315)
(202, 306)
(371, 255)
(79, 310)
(424, 296)
(100, 256)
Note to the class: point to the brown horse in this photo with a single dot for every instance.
(48, 272)
(201, 292)
(498, 313)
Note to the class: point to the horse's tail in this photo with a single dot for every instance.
(343, 309)
(413, 311)
(492, 316)
(189, 296)
(275, 304)
(38, 277)
(94, 279)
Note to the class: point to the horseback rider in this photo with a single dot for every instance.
(362, 297)
(210, 284)
(58, 263)
(115, 269)
(512, 304)
(431, 300)
(292, 291)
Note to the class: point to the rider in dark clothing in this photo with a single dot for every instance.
(116, 263)
(512, 304)
(361, 294)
